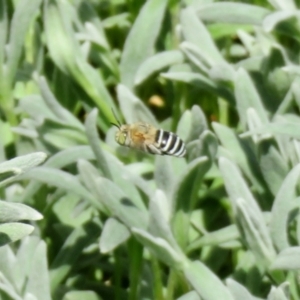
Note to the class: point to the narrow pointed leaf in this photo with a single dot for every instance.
(195, 32)
(231, 12)
(285, 202)
(160, 248)
(13, 212)
(120, 205)
(22, 17)
(156, 63)
(133, 108)
(113, 234)
(144, 30)
(205, 282)
(247, 97)
(11, 232)
(38, 278)
(92, 134)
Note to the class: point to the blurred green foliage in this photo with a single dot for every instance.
(100, 221)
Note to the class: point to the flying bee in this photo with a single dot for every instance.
(147, 138)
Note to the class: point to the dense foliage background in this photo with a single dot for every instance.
(84, 218)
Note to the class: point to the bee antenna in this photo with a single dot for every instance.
(118, 122)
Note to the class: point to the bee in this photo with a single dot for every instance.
(147, 138)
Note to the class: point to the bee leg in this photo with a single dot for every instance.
(153, 150)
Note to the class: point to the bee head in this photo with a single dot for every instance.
(121, 135)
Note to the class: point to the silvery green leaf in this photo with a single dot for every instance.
(184, 126)
(36, 108)
(144, 185)
(160, 217)
(236, 186)
(194, 55)
(24, 162)
(254, 231)
(269, 160)
(188, 180)
(60, 179)
(237, 51)
(287, 101)
(80, 295)
(184, 197)
(247, 97)
(70, 58)
(196, 33)
(283, 6)
(66, 157)
(59, 160)
(8, 288)
(156, 63)
(238, 291)
(7, 260)
(63, 56)
(23, 14)
(11, 232)
(88, 174)
(29, 296)
(293, 69)
(3, 33)
(38, 278)
(196, 79)
(13, 212)
(251, 63)
(292, 94)
(92, 135)
(206, 145)
(95, 33)
(164, 178)
(280, 293)
(120, 20)
(254, 121)
(218, 237)
(284, 203)
(199, 81)
(54, 106)
(205, 282)
(128, 181)
(133, 108)
(120, 205)
(160, 248)
(268, 155)
(198, 125)
(243, 156)
(124, 178)
(10, 169)
(23, 260)
(222, 72)
(72, 248)
(144, 30)
(189, 296)
(280, 126)
(247, 212)
(231, 12)
(287, 259)
(60, 135)
(113, 234)
(273, 19)
(25, 132)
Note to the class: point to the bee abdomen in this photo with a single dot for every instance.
(169, 143)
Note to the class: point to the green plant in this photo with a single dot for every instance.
(222, 223)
